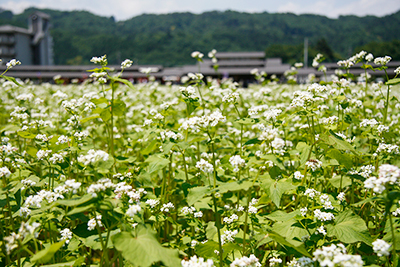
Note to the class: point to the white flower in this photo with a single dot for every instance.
(303, 211)
(93, 156)
(369, 57)
(341, 197)
(93, 222)
(323, 216)
(228, 236)
(381, 248)
(12, 63)
(397, 71)
(99, 60)
(126, 63)
(314, 164)
(388, 174)
(63, 140)
(230, 97)
(132, 210)
(311, 193)
(336, 255)
(197, 262)
(229, 220)
(274, 261)
(198, 214)
(66, 235)
(189, 92)
(244, 261)
(298, 176)
(237, 162)
(4, 171)
(167, 207)
(152, 202)
(41, 154)
(197, 54)
(187, 210)
(205, 166)
(321, 230)
(382, 60)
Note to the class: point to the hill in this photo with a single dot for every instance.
(168, 39)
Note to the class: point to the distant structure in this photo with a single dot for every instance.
(235, 65)
(32, 46)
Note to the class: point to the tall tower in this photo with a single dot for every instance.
(42, 43)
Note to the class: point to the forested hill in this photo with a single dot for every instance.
(169, 39)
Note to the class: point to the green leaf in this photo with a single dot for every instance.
(393, 81)
(149, 148)
(196, 193)
(46, 254)
(157, 163)
(293, 244)
(119, 107)
(275, 189)
(247, 121)
(234, 186)
(99, 100)
(77, 262)
(10, 128)
(207, 249)
(11, 79)
(253, 141)
(27, 135)
(304, 150)
(211, 230)
(105, 115)
(89, 118)
(75, 201)
(349, 228)
(94, 242)
(144, 249)
(343, 158)
(126, 82)
(346, 181)
(283, 216)
(337, 142)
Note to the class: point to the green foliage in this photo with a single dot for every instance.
(168, 39)
(143, 249)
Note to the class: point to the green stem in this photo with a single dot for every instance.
(112, 119)
(184, 165)
(387, 100)
(394, 251)
(218, 224)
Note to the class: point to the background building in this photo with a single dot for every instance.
(32, 46)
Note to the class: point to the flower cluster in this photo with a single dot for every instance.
(336, 255)
(245, 261)
(388, 174)
(93, 156)
(197, 262)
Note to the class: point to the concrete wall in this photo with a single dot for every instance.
(23, 49)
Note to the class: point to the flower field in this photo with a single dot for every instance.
(107, 173)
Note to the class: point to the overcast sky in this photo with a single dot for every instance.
(125, 9)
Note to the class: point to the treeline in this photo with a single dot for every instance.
(168, 39)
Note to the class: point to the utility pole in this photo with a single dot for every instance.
(305, 52)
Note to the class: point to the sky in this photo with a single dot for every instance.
(126, 9)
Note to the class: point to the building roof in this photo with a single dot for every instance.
(226, 55)
(40, 14)
(13, 29)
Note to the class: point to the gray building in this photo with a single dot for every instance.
(32, 46)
